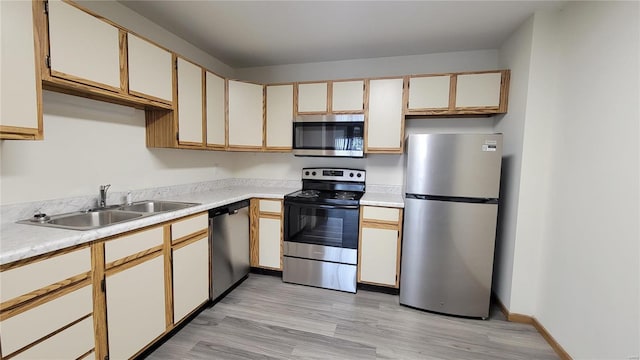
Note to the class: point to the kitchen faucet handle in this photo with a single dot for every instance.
(105, 187)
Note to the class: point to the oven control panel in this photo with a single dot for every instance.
(333, 174)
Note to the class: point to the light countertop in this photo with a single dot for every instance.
(21, 241)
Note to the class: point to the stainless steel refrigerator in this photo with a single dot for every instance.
(451, 206)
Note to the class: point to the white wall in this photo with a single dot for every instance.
(515, 54)
(537, 157)
(88, 143)
(590, 276)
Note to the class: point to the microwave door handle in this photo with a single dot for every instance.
(318, 206)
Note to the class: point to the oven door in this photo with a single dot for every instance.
(325, 225)
(328, 138)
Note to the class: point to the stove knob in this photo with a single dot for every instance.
(351, 175)
(306, 173)
(359, 174)
(313, 173)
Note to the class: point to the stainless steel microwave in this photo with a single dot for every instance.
(329, 135)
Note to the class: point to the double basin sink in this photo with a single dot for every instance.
(101, 217)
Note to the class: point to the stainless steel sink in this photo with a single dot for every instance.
(97, 218)
(152, 206)
(91, 220)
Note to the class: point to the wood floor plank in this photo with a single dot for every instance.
(264, 318)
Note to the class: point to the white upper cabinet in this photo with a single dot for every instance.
(245, 115)
(385, 130)
(478, 90)
(190, 101)
(20, 87)
(82, 47)
(150, 71)
(429, 92)
(312, 98)
(347, 96)
(215, 110)
(279, 116)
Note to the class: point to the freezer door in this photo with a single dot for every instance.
(447, 256)
(460, 165)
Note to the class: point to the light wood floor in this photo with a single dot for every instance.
(265, 318)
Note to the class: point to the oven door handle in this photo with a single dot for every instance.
(318, 206)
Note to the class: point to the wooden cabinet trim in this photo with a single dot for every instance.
(38, 297)
(168, 277)
(254, 230)
(99, 300)
(133, 260)
(187, 240)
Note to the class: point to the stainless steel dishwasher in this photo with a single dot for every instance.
(229, 236)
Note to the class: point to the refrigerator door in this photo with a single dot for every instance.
(447, 256)
(459, 165)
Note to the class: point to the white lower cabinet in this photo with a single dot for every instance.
(379, 256)
(71, 343)
(39, 322)
(190, 277)
(269, 245)
(135, 300)
(265, 245)
(379, 248)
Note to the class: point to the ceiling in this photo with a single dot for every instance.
(262, 33)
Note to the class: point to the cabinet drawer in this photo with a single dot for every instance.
(31, 325)
(131, 244)
(21, 280)
(189, 226)
(272, 206)
(71, 343)
(380, 213)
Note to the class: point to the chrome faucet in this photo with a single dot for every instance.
(103, 195)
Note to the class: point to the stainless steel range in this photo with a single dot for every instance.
(321, 229)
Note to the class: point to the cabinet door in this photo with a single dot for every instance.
(385, 129)
(190, 277)
(312, 98)
(279, 116)
(379, 256)
(269, 243)
(478, 90)
(38, 323)
(347, 96)
(190, 119)
(82, 47)
(70, 343)
(135, 307)
(20, 86)
(245, 115)
(150, 70)
(429, 92)
(215, 110)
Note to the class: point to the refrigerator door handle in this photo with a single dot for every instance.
(453, 199)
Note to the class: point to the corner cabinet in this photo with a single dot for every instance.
(20, 83)
(379, 246)
(384, 127)
(265, 245)
(215, 105)
(468, 93)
